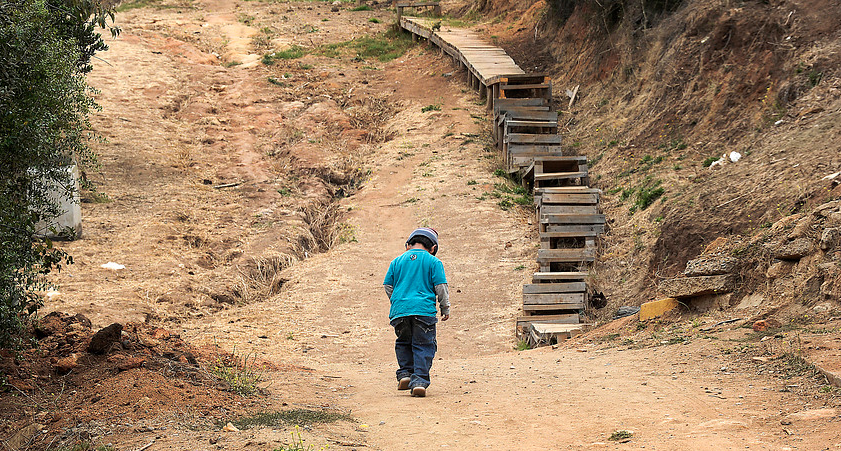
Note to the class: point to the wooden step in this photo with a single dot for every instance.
(538, 113)
(563, 158)
(570, 287)
(551, 228)
(559, 175)
(569, 209)
(568, 199)
(543, 334)
(530, 138)
(567, 275)
(567, 190)
(552, 307)
(568, 234)
(566, 255)
(530, 123)
(501, 104)
(537, 149)
(524, 78)
(510, 87)
(569, 318)
(554, 298)
(572, 219)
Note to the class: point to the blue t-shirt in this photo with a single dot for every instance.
(414, 275)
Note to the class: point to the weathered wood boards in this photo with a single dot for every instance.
(525, 129)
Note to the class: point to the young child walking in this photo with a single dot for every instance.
(413, 282)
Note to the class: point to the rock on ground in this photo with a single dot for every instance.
(104, 338)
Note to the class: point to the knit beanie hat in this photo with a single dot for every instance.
(428, 232)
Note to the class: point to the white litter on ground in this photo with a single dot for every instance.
(112, 266)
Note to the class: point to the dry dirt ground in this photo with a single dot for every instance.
(181, 119)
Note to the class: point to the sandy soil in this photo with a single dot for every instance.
(175, 116)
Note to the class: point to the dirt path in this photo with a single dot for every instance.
(331, 315)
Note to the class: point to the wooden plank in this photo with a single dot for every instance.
(552, 307)
(569, 198)
(548, 209)
(570, 158)
(563, 275)
(572, 219)
(537, 288)
(569, 318)
(507, 87)
(503, 104)
(528, 113)
(551, 228)
(530, 123)
(559, 175)
(566, 255)
(567, 190)
(547, 149)
(534, 77)
(529, 138)
(569, 234)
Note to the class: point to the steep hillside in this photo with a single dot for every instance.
(666, 88)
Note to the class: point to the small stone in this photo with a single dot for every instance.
(131, 363)
(66, 364)
(830, 238)
(230, 428)
(760, 326)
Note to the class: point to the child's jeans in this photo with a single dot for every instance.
(415, 348)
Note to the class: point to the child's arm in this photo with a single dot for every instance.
(443, 293)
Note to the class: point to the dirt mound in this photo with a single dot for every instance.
(78, 384)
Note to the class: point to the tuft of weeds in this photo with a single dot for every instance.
(433, 107)
(523, 345)
(374, 20)
(383, 47)
(297, 417)
(360, 8)
(709, 161)
(298, 443)
(293, 52)
(620, 435)
(234, 369)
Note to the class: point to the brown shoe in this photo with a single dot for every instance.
(403, 384)
(419, 392)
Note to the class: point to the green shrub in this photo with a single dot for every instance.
(45, 104)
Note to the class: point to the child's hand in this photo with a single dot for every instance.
(445, 317)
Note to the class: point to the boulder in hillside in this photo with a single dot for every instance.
(711, 265)
(793, 250)
(688, 287)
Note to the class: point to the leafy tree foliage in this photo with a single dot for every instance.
(45, 49)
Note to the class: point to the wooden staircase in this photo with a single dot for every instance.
(568, 216)
(525, 129)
